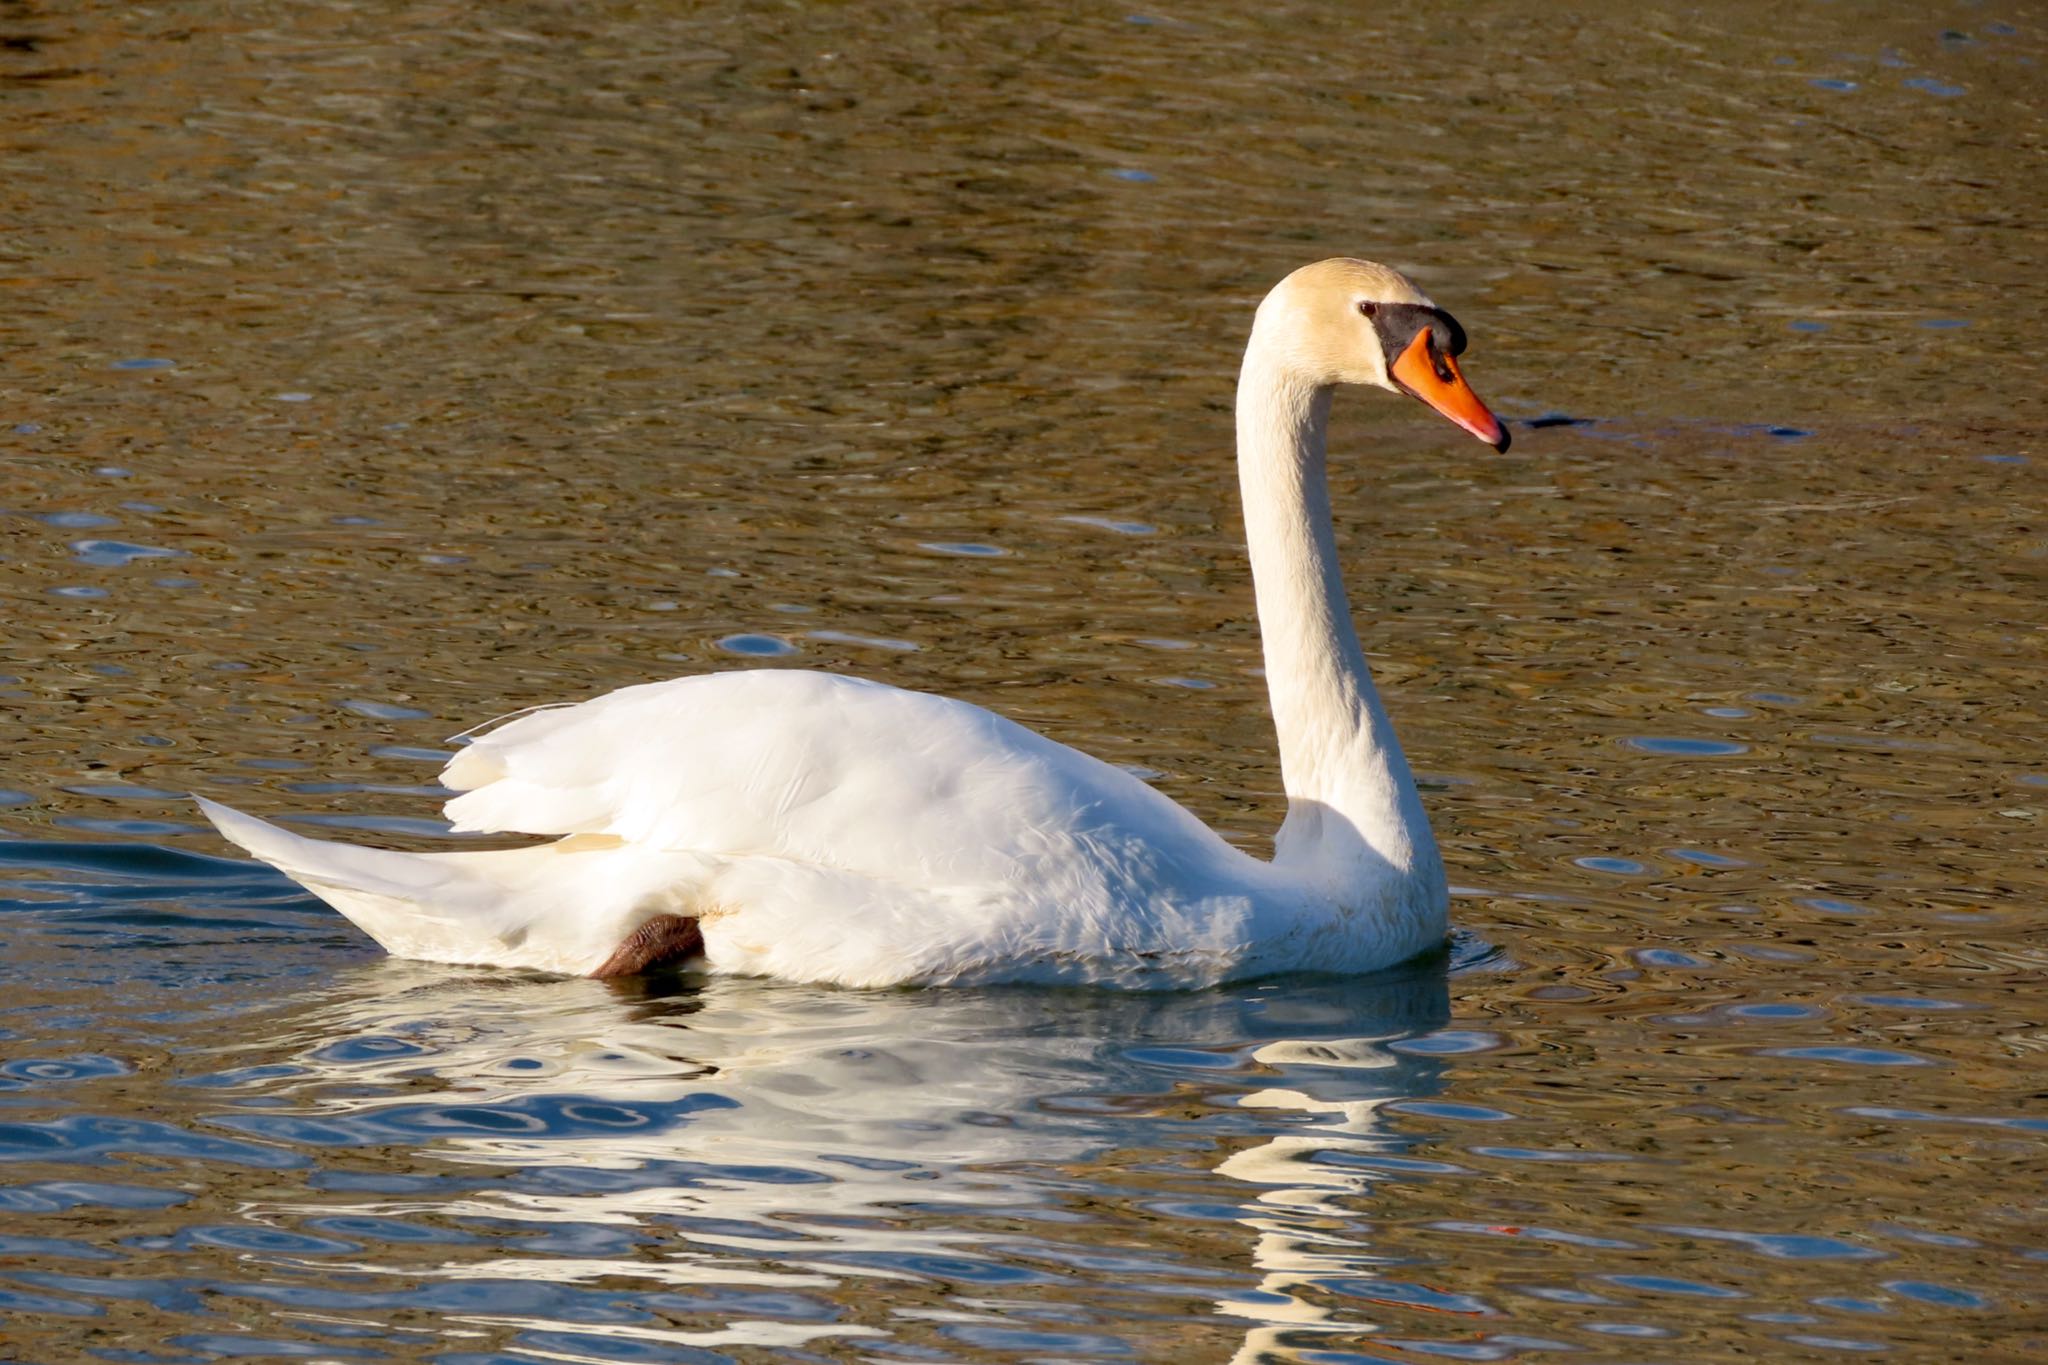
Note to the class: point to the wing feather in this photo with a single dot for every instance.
(812, 767)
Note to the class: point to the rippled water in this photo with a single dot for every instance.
(374, 369)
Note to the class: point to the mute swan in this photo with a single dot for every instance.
(823, 828)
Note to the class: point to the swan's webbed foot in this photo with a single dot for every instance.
(663, 939)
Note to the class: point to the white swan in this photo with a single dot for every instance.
(822, 828)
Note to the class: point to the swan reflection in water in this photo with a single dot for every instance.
(742, 1133)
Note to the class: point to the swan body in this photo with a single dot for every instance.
(822, 828)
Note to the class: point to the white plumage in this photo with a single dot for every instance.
(823, 828)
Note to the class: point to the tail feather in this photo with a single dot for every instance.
(560, 907)
(306, 861)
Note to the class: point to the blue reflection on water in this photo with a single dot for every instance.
(582, 1161)
(216, 1069)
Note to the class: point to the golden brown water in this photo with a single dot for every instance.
(372, 370)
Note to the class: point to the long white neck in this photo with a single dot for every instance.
(1353, 813)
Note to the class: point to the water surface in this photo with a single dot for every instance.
(376, 369)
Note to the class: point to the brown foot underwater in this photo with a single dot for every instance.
(663, 939)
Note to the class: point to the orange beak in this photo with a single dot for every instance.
(1416, 371)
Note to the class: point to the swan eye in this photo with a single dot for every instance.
(1368, 307)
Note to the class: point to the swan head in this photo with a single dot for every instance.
(1344, 321)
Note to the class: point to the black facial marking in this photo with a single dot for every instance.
(1397, 324)
(1454, 334)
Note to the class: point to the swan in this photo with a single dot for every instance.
(821, 828)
